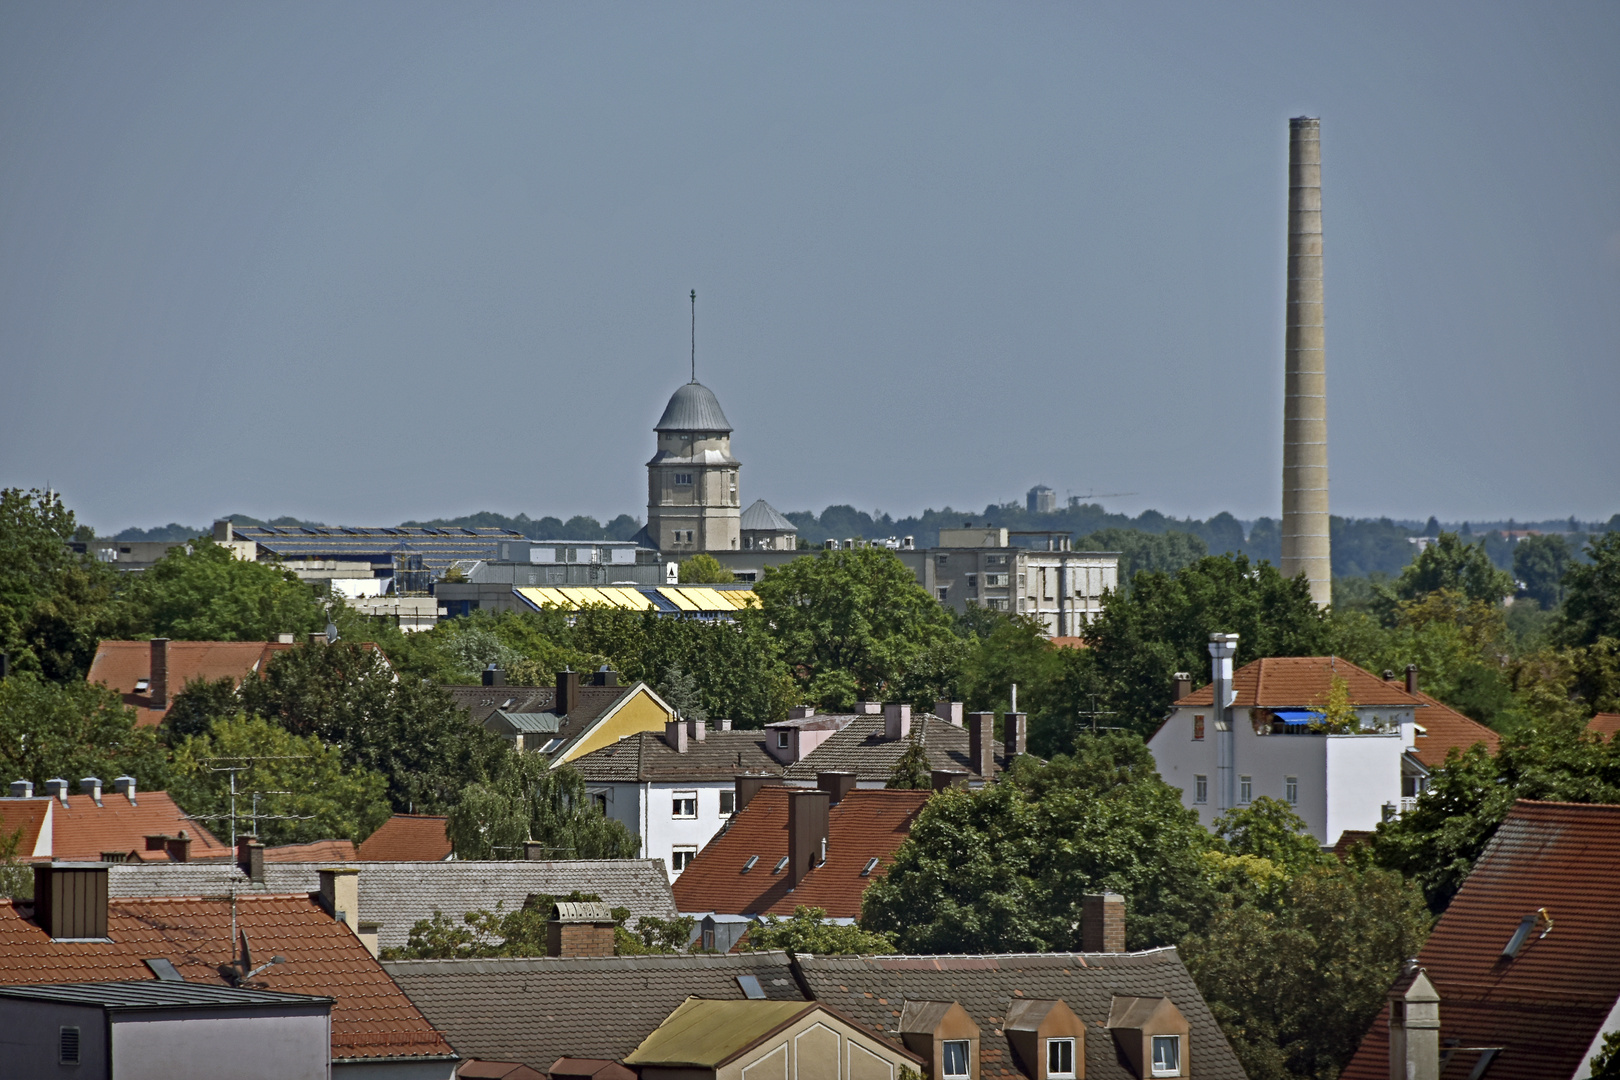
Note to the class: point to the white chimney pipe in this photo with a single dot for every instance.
(1222, 647)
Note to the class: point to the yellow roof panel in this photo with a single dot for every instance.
(627, 597)
(540, 595)
(594, 596)
(678, 598)
(739, 598)
(706, 599)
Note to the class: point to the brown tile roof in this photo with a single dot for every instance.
(84, 831)
(371, 1018)
(30, 820)
(863, 749)
(498, 1070)
(864, 824)
(1606, 724)
(121, 664)
(1297, 682)
(645, 756)
(314, 851)
(873, 991)
(1445, 727)
(407, 838)
(538, 1010)
(1544, 1007)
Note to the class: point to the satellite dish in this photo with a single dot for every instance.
(331, 632)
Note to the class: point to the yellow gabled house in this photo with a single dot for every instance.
(580, 714)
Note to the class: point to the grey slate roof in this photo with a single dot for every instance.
(763, 517)
(645, 756)
(693, 407)
(119, 996)
(538, 1010)
(398, 894)
(873, 990)
(862, 748)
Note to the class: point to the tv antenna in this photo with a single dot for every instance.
(694, 335)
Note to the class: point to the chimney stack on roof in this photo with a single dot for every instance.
(982, 742)
(493, 676)
(567, 692)
(1181, 685)
(70, 900)
(318, 638)
(896, 721)
(224, 532)
(1014, 735)
(801, 712)
(1412, 679)
(723, 724)
(675, 735)
(179, 847)
(950, 711)
(1414, 1030)
(56, 788)
(948, 778)
(340, 894)
(1102, 923)
(158, 683)
(22, 789)
(697, 730)
(836, 785)
(748, 786)
(1222, 647)
(807, 833)
(604, 676)
(91, 786)
(868, 708)
(1305, 541)
(580, 929)
(250, 857)
(125, 786)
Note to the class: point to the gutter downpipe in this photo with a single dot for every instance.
(1222, 647)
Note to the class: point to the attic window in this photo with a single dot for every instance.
(781, 864)
(750, 987)
(956, 1060)
(1059, 1058)
(1167, 1055)
(1521, 936)
(871, 865)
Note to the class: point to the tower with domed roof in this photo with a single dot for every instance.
(692, 498)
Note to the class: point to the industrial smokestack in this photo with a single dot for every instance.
(1305, 464)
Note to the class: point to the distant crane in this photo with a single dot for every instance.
(1077, 499)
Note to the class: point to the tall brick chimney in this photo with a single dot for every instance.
(807, 833)
(567, 692)
(982, 743)
(1102, 923)
(1412, 679)
(158, 684)
(1014, 734)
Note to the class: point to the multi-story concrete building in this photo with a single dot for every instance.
(1061, 588)
(692, 496)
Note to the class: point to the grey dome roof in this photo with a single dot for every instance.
(693, 408)
(763, 517)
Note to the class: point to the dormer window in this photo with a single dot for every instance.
(781, 740)
(1059, 1059)
(1167, 1055)
(956, 1065)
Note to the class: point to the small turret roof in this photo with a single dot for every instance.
(763, 517)
(693, 408)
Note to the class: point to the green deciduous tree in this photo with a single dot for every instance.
(701, 569)
(317, 795)
(412, 734)
(1451, 564)
(530, 802)
(809, 931)
(207, 594)
(522, 932)
(55, 604)
(858, 611)
(1540, 562)
(1271, 830)
(1004, 868)
(914, 771)
(1141, 640)
(1592, 594)
(72, 730)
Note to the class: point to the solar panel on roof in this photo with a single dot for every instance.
(678, 598)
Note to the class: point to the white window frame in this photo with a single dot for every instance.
(681, 856)
(1059, 1045)
(782, 739)
(942, 594)
(1291, 789)
(683, 479)
(945, 1057)
(1153, 1063)
(681, 799)
(1245, 790)
(1201, 788)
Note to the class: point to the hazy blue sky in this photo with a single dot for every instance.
(365, 262)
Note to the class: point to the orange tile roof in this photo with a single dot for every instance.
(866, 822)
(82, 830)
(1444, 728)
(1606, 724)
(31, 820)
(314, 851)
(371, 1017)
(1068, 642)
(121, 664)
(408, 838)
(1544, 1007)
(1296, 682)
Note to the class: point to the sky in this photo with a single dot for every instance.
(362, 262)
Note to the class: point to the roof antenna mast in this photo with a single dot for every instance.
(694, 335)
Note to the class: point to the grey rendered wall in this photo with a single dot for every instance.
(29, 1032)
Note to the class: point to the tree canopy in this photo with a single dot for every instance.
(70, 730)
(202, 592)
(54, 604)
(531, 802)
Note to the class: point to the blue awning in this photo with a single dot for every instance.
(1296, 716)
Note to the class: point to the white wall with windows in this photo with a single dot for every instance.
(674, 820)
(1334, 782)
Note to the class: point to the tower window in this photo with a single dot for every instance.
(683, 479)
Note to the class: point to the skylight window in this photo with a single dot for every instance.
(781, 864)
(871, 865)
(753, 861)
(751, 988)
(1521, 936)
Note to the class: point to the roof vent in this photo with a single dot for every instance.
(780, 864)
(22, 789)
(1521, 936)
(753, 861)
(871, 865)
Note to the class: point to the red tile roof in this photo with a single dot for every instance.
(371, 1017)
(1606, 724)
(865, 823)
(1296, 682)
(84, 831)
(121, 664)
(408, 838)
(31, 820)
(1445, 727)
(1544, 1007)
(314, 851)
